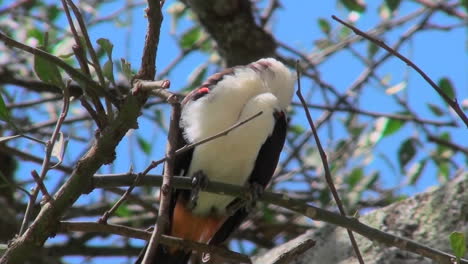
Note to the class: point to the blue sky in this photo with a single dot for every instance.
(439, 54)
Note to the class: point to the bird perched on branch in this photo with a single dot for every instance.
(246, 156)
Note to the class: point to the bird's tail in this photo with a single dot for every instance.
(165, 256)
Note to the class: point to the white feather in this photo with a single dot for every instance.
(236, 97)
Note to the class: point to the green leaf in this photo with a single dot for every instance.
(384, 12)
(107, 46)
(355, 177)
(392, 4)
(324, 25)
(354, 5)
(47, 71)
(53, 12)
(126, 69)
(344, 32)
(371, 49)
(4, 113)
(189, 38)
(108, 71)
(159, 118)
(388, 126)
(446, 85)
(443, 170)
(123, 211)
(415, 171)
(144, 145)
(406, 152)
(436, 110)
(37, 34)
(458, 244)
(443, 151)
(296, 129)
(465, 5)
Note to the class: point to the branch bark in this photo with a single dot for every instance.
(232, 25)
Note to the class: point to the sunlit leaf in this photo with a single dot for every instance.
(59, 147)
(296, 129)
(458, 244)
(324, 25)
(123, 211)
(126, 69)
(354, 5)
(406, 152)
(396, 88)
(36, 34)
(47, 72)
(189, 38)
(388, 126)
(344, 32)
(107, 46)
(443, 170)
(443, 151)
(447, 87)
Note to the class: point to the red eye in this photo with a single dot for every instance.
(203, 91)
(200, 93)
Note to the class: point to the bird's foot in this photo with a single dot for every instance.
(199, 182)
(249, 202)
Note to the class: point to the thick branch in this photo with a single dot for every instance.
(231, 24)
(295, 205)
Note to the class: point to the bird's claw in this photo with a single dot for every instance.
(255, 192)
(199, 182)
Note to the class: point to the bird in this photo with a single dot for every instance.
(247, 156)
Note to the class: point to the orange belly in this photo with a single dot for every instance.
(186, 225)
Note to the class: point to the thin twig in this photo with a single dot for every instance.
(154, 14)
(450, 101)
(273, 5)
(94, 57)
(352, 109)
(75, 74)
(45, 163)
(156, 163)
(328, 176)
(203, 141)
(163, 220)
(447, 143)
(145, 235)
(41, 186)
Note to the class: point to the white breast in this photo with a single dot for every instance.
(265, 86)
(231, 159)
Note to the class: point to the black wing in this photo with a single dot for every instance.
(265, 166)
